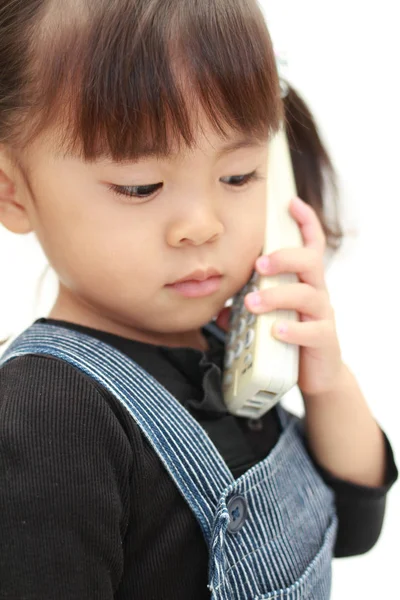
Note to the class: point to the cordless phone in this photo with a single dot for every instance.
(260, 369)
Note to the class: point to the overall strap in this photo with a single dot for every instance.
(184, 448)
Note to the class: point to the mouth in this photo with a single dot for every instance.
(199, 275)
(198, 284)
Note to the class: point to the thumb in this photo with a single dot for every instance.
(223, 318)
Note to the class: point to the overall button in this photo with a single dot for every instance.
(237, 509)
(255, 424)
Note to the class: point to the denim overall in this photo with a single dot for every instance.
(271, 532)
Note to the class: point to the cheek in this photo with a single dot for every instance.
(96, 246)
(259, 222)
(251, 225)
(247, 241)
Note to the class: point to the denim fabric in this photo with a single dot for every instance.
(270, 533)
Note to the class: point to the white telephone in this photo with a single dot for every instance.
(259, 369)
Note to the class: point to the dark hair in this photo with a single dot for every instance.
(120, 78)
(316, 179)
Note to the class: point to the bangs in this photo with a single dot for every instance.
(130, 78)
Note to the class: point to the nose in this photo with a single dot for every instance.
(195, 227)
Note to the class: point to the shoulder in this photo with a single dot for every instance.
(44, 400)
(65, 471)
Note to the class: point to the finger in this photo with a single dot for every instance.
(294, 296)
(311, 334)
(223, 318)
(307, 263)
(310, 225)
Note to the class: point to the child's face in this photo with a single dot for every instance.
(116, 255)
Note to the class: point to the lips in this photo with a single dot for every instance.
(199, 275)
(198, 284)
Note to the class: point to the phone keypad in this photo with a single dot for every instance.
(239, 349)
(248, 359)
(251, 319)
(249, 338)
(243, 309)
(228, 379)
(242, 333)
(254, 277)
(231, 337)
(229, 358)
(242, 326)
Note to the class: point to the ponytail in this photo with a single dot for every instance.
(313, 170)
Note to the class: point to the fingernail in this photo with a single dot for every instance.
(254, 299)
(281, 329)
(263, 263)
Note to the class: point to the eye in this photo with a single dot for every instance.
(242, 180)
(141, 192)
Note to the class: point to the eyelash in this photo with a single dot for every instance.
(121, 190)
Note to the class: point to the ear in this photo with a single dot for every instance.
(13, 214)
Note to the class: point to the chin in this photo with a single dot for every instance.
(189, 320)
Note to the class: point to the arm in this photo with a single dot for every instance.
(346, 443)
(355, 459)
(342, 434)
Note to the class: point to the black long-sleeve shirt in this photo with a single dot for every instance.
(87, 510)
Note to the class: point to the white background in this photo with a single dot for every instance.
(343, 58)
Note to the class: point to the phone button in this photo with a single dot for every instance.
(229, 358)
(248, 359)
(233, 314)
(228, 379)
(242, 326)
(231, 337)
(251, 319)
(254, 277)
(239, 349)
(249, 338)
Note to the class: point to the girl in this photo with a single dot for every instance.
(134, 139)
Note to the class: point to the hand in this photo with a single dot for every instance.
(320, 356)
